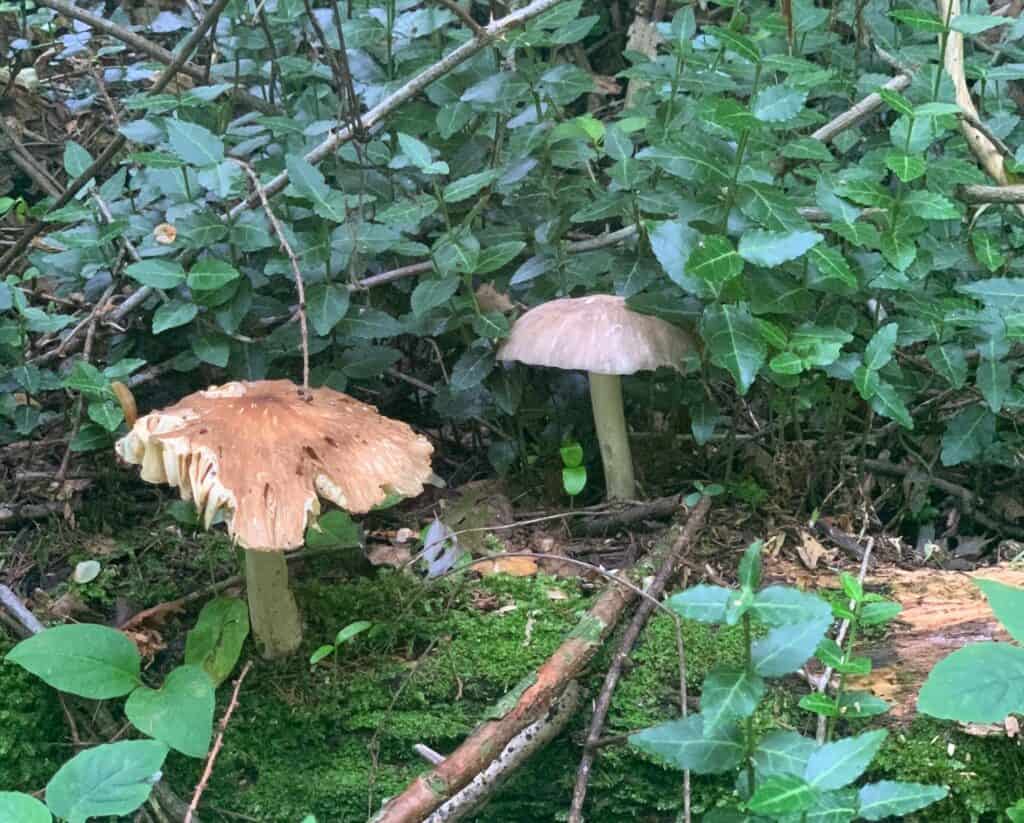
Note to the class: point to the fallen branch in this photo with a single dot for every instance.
(668, 568)
(627, 515)
(217, 744)
(521, 707)
(529, 741)
(161, 610)
(1012, 194)
(859, 112)
(13, 513)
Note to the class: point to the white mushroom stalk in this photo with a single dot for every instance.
(601, 336)
(260, 456)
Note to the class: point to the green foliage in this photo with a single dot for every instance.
(783, 775)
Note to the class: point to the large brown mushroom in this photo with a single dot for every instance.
(261, 454)
(601, 336)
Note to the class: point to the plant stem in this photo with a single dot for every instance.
(851, 638)
(749, 725)
(610, 422)
(272, 610)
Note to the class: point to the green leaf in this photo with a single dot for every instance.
(889, 798)
(781, 794)
(980, 683)
(326, 304)
(429, 294)
(734, 341)
(334, 530)
(773, 248)
(673, 241)
(968, 434)
(864, 192)
(210, 274)
(993, 381)
(76, 159)
(565, 82)
(110, 779)
(906, 167)
(749, 575)
(858, 704)
(829, 271)
(194, 144)
(925, 21)
(494, 257)
(16, 807)
(783, 752)
(703, 603)
(215, 643)
(682, 744)
(173, 314)
(1002, 293)
(465, 187)
(471, 368)
(179, 713)
(350, 631)
(887, 402)
(729, 693)
(416, 151)
(84, 659)
(807, 148)
(879, 349)
(895, 101)
(307, 180)
(91, 437)
(786, 648)
(977, 23)
(839, 763)
(156, 272)
(572, 454)
(950, 362)
(786, 606)
(986, 251)
(777, 104)
(714, 261)
(1008, 604)
(930, 205)
(574, 479)
(106, 414)
(738, 43)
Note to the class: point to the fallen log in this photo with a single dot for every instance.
(942, 612)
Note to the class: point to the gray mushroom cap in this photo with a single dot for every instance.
(596, 334)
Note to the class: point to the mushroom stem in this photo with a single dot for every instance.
(272, 610)
(610, 422)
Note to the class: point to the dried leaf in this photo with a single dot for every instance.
(515, 566)
(810, 551)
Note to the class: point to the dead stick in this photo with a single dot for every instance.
(629, 638)
(217, 744)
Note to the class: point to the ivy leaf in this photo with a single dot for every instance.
(900, 251)
(327, 304)
(194, 144)
(106, 414)
(777, 104)
(173, 314)
(968, 434)
(210, 274)
(702, 602)
(76, 159)
(735, 342)
(494, 257)
(307, 180)
(773, 248)
(890, 798)
(714, 261)
(565, 82)
(429, 294)
(156, 273)
(682, 744)
(839, 763)
(415, 150)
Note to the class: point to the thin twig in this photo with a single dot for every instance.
(217, 744)
(464, 16)
(629, 638)
(856, 113)
(296, 272)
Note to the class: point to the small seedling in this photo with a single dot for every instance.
(574, 473)
(340, 639)
(703, 490)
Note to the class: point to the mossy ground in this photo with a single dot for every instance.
(336, 739)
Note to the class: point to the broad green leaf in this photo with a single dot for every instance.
(890, 798)
(574, 479)
(980, 683)
(993, 380)
(977, 23)
(749, 574)
(617, 144)
(417, 151)
(350, 631)
(494, 257)
(714, 261)
(734, 341)
(1008, 604)
(930, 205)
(926, 21)
(16, 807)
(465, 187)
(734, 42)
(83, 658)
(879, 349)
(682, 744)
(76, 159)
(857, 704)
(839, 763)
(784, 606)
(110, 779)
(895, 101)
(333, 530)
(968, 434)
(429, 294)
(773, 248)
(783, 752)
(471, 368)
(777, 104)
(887, 402)
(838, 806)
(565, 82)
(310, 183)
(215, 643)
(898, 249)
(193, 143)
(702, 602)
(210, 274)
(950, 362)
(1002, 293)
(829, 271)
(906, 167)
(326, 304)
(213, 348)
(179, 713)
(786, 648)
(807, 148)
(106, 414)
(864, 192)
(987, 251)
(673, 241)
(781, 794)
(370, 324)
(173, 314)
(787, 363)
(156, 272)
(728, 694)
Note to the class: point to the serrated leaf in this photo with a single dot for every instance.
(930, 205)
(773, 248)
(777, 104)
(735, 342)
(829, 271)
(950, 362)
(715, 262)
(986, 251)
(900, 251)
(906, 167)
(194, 144)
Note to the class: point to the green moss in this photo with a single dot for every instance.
(32, 735)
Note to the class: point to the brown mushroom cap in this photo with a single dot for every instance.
(596, 334)
(263, 451)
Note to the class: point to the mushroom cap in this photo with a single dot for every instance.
(263, 453)
(596, 334)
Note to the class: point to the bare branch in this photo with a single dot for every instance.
(854, 115)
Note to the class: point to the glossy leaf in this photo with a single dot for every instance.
(682, 744)
(179, 713)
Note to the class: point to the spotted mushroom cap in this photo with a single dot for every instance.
(596, 334)
(264, 452)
